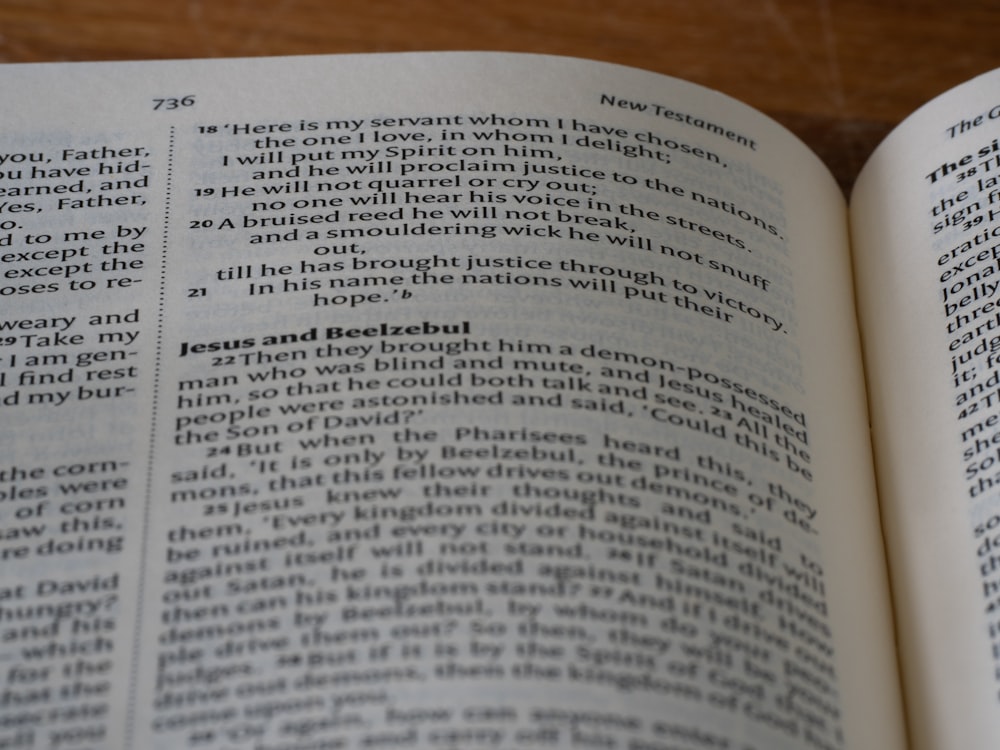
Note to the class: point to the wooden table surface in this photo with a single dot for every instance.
(839, 73)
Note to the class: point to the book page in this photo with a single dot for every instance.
(926, 228)
(428, 401)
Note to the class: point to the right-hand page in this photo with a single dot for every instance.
(925, 217)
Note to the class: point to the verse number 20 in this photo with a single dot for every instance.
(174, 102)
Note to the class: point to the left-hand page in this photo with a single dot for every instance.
(427, 401)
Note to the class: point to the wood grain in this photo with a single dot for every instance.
(840, 74)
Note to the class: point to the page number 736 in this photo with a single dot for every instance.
(174, 102)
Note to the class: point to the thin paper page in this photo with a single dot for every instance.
(926, 230)
(431, 400)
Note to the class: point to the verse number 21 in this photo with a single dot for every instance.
(174, 102)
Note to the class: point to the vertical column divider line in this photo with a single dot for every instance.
(137, 641)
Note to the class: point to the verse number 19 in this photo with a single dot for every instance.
(174, 102)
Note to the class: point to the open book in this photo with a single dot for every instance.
(490, 401)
